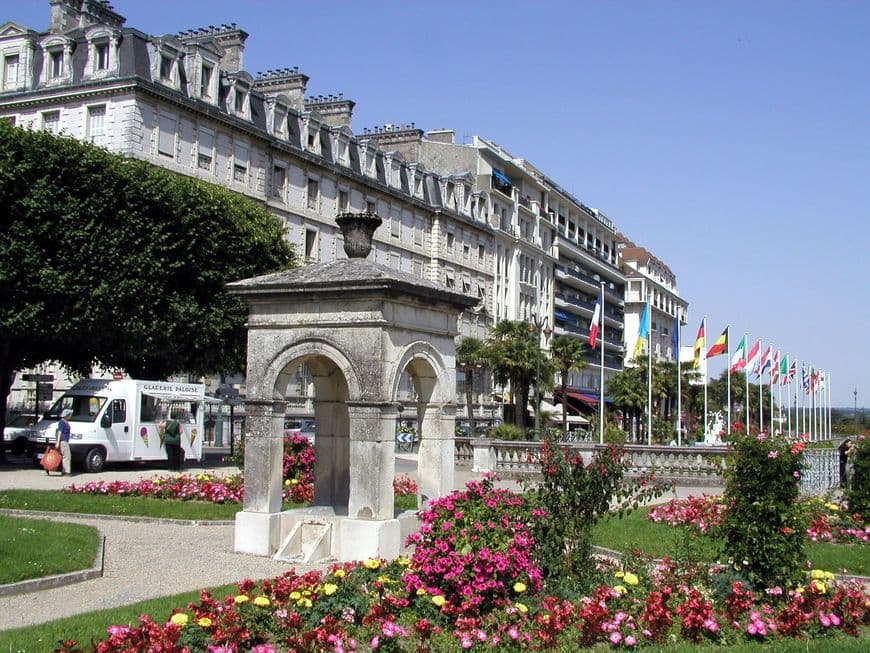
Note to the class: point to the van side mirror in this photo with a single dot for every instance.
(106, 421)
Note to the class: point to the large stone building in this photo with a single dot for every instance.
(468, 216)
(650, 280)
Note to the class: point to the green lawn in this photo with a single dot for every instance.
(635, 531)
(33, 548)
(59, 501)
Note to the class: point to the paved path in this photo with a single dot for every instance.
(147, 560)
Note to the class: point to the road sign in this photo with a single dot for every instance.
(37, 378)
(45, 392)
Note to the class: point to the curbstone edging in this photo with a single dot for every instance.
(131, 518)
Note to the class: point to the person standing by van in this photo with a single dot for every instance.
(172, 440)
(62, 441)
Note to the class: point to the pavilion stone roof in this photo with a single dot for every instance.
(346, 276)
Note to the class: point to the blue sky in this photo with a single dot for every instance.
(731, 139)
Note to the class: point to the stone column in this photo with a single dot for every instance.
(258, 525)
(371, 529)
(435, 464)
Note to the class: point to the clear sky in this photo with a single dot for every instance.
(731, 139)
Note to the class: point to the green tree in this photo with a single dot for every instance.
(111, 261)
(629, 393)
(512, 354)
(470, 355)
(568, 356)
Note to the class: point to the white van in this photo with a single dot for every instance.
(117, 420)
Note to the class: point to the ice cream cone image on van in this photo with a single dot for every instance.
(143, 433)
(192, 436)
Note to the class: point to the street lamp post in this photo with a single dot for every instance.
(538, 325)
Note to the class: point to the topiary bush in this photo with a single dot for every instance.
(506, 431)
(765, 526)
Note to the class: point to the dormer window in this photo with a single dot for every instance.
(166, 68)
(55, 64)
(10, 71)
(240, 101)
(101, 56)
(205, 76)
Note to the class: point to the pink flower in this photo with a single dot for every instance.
(615, 637)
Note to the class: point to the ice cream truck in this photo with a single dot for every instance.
(122, 420)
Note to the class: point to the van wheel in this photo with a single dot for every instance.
(95, 460)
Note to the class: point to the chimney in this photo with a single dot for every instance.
(441, 136)
(70, 14)
(230, 38)
(336, 111)
(288, 81)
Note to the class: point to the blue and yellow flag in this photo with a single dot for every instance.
(643, 331)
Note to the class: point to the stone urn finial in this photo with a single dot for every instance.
(358, 229)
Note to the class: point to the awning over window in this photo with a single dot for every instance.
(498, 174)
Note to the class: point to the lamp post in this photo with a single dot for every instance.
(538, 325)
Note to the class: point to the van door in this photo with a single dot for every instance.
(118, 435)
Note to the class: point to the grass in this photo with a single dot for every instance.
(59, 501)
(635, 531)
(85, 628)
(33, 548)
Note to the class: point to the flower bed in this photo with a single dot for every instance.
(373, 606)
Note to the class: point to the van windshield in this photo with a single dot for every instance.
(84, 408)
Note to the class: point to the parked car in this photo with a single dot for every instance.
(300, 426)
(17, 432)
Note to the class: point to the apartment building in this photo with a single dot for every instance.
(649, 279)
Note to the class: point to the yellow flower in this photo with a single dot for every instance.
(832, 506)
(241, 598)
(179, 619)
(519, 587)
(339, 573)
(287, 483)
(372, 563)
(439, 600)
(294, 481)
(262, 601)
(385, 580)
(621, 589)
(203, 622)
(295, 596)
(819, 586)
(403, 561)
(330, 588)
(521, 607)
(304, 603)
(799, 590)
(630, 579)
(619, 574)
(817, 573)
(421, 591)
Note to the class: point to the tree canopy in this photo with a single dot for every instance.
(112, 261)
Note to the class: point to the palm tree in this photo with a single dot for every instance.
(568, 355)
(629, 392)
(470, 354)
(511, 351)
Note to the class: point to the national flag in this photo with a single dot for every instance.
(774, 369)
(764, 361)
(642, 331)
(792, 371)
(752, 358)
(720, 346)
(675, 340)
(805, 379)
(783, 370)
(596, 318)
(700, 343)
(738, 360)
(823, 379)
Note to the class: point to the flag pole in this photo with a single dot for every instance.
(728, 373)
(649, 379)
(760, 394)
(828, 390)
(770, 379)
(704, 352)
(746, 384)
(788, 397)
(601, 372)
(679, 382)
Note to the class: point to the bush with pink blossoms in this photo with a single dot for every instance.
(474, 547)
